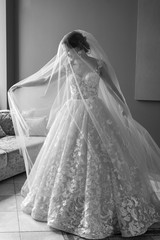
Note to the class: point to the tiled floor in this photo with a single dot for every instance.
(16, 225)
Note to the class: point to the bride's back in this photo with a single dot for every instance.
(86, 80)
(82, 67)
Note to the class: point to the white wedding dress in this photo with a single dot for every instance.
(82, 187)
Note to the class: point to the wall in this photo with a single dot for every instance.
(148, 51)
(3, 71)
(11, 16)
(42, 24)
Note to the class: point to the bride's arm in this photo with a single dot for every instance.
(20, 84)
(112, 88)
(106, 78)
(39, 82)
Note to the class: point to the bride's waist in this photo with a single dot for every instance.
(84, 96)
(77, 102)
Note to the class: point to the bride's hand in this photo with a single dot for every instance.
(125, 114)
(39, 82)
(125, 111)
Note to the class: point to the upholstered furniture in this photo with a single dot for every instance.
(11, 161)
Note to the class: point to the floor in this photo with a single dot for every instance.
(16, 225)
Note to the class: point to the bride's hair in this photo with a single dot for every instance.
(77, 40)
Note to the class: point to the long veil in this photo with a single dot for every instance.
(41, 103)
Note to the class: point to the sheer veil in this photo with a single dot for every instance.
(40, 103)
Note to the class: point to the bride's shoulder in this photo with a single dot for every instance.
(96, 61)
(98, 64)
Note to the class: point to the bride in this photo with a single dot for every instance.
(97, 170)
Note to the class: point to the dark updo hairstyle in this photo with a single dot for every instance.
(77, 40)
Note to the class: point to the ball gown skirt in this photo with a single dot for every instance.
(82, 188)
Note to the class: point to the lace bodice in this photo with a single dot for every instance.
(87, 85)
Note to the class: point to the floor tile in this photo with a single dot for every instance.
(18, 186)
(8, 203)
(9, 222)
(117, 238)
(156, 237)
(6, 188)
(19, 200)
(41, 236)
(27, 223)
(10, 236)
(20, 177)
(140, 237)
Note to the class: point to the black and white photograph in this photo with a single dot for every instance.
(79, 119)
